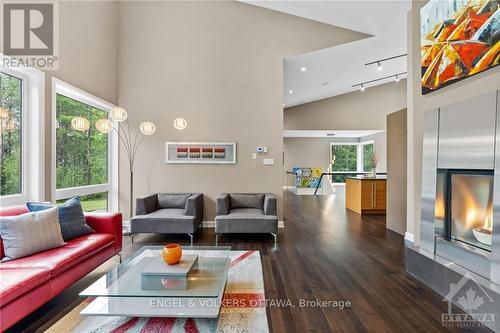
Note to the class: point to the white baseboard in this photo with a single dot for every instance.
(208, 224)
(409, 237)
(211, 224)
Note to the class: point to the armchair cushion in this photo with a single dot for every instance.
(194, 205)
(247, 200)
(246, 220)
(146, 205)
(223, 205)
(270, 204)
(172, 200)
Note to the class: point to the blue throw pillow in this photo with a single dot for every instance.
(71, 217)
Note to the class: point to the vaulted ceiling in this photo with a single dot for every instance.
(335, 70)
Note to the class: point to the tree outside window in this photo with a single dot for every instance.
(11, 92)
(81, 156)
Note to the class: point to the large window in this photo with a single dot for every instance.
(11, 137)
(21, 135)
(344, 160)
(349, 158)
(84, 158)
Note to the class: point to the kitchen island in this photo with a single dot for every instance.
(365, 195)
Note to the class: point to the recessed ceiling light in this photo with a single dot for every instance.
(290, 91)
(303, 69)
(379, 66)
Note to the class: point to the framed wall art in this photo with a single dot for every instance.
(459, 38)
(201, 152)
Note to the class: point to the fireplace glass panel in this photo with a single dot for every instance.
(471, 209)
(440, 208)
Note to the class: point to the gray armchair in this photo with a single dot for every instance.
(168, 213)
(246, 213)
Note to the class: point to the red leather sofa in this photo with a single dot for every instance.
(29, 282)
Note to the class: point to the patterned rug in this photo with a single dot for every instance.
(243, 308)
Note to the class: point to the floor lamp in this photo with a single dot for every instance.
(131, 139)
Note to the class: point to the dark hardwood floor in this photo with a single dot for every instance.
(324, 253)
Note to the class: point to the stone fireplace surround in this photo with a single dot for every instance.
(461, 138)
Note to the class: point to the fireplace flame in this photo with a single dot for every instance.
(488, 221)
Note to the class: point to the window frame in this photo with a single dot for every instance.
(62, 88)
(359, 156)
(32, 135)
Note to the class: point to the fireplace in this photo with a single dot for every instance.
(460, 215)
(464, 207)
(460, 206)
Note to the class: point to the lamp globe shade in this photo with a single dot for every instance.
(119, 113)
(147, 128)
(180, 123)
(104, 125)
(80, 124)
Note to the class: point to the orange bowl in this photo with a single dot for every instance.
(171, 253)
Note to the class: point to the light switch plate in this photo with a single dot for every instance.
(254, 156)
(268, 161)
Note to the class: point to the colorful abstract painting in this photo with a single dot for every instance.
(459, 38)
(307, 177)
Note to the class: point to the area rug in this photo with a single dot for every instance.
(243, 308)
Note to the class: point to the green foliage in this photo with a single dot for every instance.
(82, 157)
(92, 202)
(368, 152)
(345, 158)
(10, 137)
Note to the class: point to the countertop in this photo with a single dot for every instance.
(367, 178)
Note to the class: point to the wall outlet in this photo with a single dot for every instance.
(268, 161)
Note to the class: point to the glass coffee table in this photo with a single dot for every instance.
(124, 291)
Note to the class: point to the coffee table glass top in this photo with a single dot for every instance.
(126, 279)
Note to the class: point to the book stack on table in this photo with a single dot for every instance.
(157, 275)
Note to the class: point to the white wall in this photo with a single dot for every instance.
(219, 64)
(380, 145)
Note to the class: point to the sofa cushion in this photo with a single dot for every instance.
(11, 211)
(16, 282)
(247, 201)
(172, 200)
(60, 259)
(71, 217)
(29, 233)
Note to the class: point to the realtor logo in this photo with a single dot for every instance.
(30, 34)
(473, 299)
